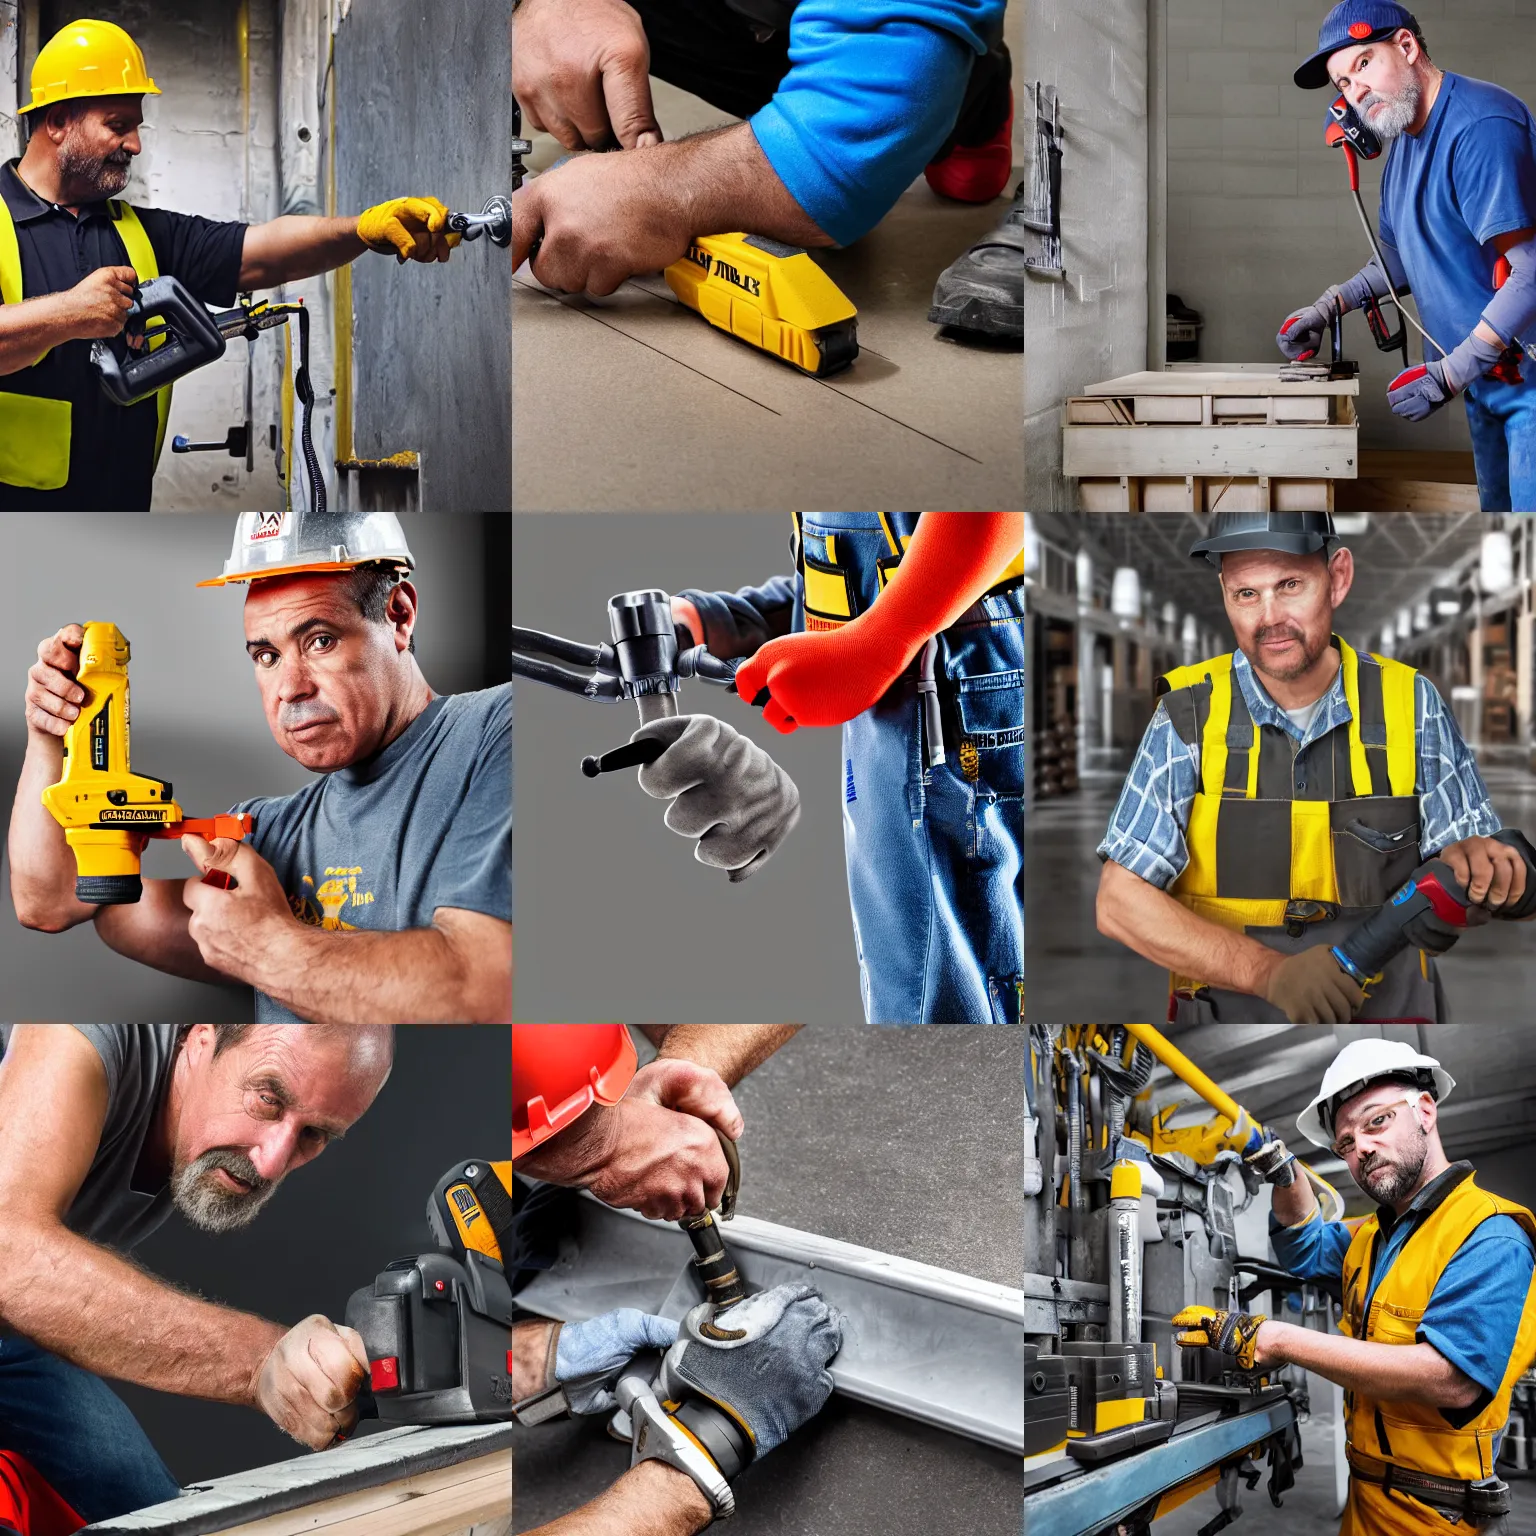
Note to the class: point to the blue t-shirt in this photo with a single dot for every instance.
(1468, 176)
(1474, 1311)
(871, 94)
(381, 845)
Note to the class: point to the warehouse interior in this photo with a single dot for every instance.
(632, 403)
(1116, 601)
(1194, 174)
(1073, 1298)
(273, 107)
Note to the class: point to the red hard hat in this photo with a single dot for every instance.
(559, 1071)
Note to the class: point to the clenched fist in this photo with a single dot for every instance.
(309, 1383)
(99, 302)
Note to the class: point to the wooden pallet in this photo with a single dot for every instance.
(1228, 437)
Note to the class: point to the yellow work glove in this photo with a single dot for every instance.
(410, 226)
(1233, 1333)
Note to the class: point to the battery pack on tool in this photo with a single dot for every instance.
(771, 295)
(179, 335)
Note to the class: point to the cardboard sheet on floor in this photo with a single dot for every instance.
(635, 403)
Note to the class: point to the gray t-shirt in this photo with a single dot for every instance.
(381, 845)
(111, 1208)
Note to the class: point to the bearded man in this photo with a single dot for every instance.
(105, 1129)
(72, 258)
(1286, 790)
(1458, 231)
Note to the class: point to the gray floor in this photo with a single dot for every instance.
(903, 1140)
(1075, 974)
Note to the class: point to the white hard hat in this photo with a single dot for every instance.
(282, 543)
(1361, 1063)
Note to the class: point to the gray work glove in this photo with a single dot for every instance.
(1273, 1162)
(765, 1359)
(1301, 336)
(591, 1356)
(725, 791)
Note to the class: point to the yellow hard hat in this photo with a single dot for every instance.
(89, 58)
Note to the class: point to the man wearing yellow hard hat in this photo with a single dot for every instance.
(63, 443)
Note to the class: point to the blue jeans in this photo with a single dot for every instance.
(1503, 422)
(78, 1433)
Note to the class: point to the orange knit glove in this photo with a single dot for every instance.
(828, 677)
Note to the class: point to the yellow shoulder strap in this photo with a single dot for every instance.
(10, 258)
(1359, 769)
(141, 257)
(1399, 697)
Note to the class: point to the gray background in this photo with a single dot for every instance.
(906, 1141)
(424, 104)
(331, 1228)
(197, 717)
(616, 918)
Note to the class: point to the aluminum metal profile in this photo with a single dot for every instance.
(927, 1343)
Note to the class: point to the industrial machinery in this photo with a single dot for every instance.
(1128, 1218)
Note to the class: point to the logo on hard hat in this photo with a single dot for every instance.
(1361, 30)
(268, 526)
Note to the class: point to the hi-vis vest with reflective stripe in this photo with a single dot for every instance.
(831, 596)
(1416, 1435)
(1256, 839)
(35, 430)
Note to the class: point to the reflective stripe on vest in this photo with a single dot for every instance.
(34, 429)
(1418, 1435)
(1255, 842)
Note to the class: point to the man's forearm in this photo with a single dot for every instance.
(1293, 1203)
(724, 182)
(651, 1499)
(1164, 931)
(732, 1050)
(530, 1358)
(31, 328)
(296, 246)
(96, 1309)
(414, 977)
(41, 863)
(1416, 1373)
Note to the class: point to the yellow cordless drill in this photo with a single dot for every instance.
(771, 295)
(107, 811)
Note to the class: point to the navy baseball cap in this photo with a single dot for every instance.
(1354, 21)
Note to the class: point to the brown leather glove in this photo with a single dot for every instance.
(1313, 988)
(1233, 1333)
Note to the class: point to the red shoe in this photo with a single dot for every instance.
(28, 1505)
(976, 173)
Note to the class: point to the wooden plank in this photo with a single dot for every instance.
(1094, 413)
(1167, 408)
(1310, 453)
(1221, 379)
(1230, 493)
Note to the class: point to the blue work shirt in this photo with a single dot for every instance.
(1473, 1314)
(1446, 192)
(871, 94)
(1146, 831)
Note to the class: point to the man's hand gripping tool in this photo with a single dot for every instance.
(1431, 910)
(643, 663)
(108, 812)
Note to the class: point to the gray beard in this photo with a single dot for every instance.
(1403, 1177)
(87, 178)
(1400, 111)
(210, 1207)
(1290, 674)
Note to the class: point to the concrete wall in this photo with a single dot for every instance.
(1260, 219)
(1093, 325)
(208, 149)
(423, 105)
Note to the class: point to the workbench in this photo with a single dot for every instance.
(442, 1481)
(1230, 437)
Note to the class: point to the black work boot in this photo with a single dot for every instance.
(983, 290)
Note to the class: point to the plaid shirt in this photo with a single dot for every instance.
(1146, 832)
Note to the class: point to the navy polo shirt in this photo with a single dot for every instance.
(112, 450)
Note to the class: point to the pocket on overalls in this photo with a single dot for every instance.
(990, 711)
(1375, 847)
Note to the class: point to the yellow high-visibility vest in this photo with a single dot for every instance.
(35, 430)
(1412, 1435)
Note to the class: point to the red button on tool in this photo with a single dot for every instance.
(509, 1362)
(1361, 30)
(441, 1285)
(385, 1374)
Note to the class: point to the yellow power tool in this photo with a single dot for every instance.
(108, 812)
(771, 295)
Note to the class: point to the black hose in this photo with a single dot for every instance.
(304, 389)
